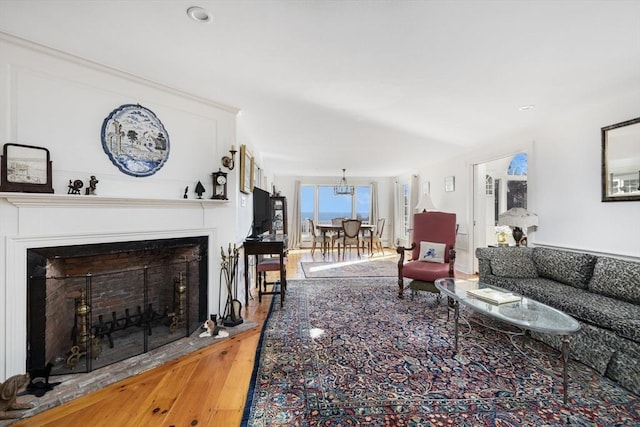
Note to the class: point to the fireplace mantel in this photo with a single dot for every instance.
(64, 200)
(35, 220)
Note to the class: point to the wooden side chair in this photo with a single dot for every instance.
(335, 235)
(350, 235)
(317, 239)
(377, 237)
(271, 263)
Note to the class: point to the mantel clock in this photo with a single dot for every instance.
(219, 185)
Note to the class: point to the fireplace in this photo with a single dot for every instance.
(91, 305)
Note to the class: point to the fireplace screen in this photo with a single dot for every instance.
(88, 311)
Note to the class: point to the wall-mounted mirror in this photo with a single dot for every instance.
(621, 161)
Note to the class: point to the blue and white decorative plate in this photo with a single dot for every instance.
(135, 140)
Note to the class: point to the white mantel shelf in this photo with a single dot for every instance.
(40, 220)
(66, 200)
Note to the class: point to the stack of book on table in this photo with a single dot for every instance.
(493, 296)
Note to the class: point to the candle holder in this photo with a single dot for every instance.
(230, 162)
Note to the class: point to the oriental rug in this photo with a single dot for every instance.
(365, 267)
(349, 352)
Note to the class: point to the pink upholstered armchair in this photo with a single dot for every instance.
(433, 254)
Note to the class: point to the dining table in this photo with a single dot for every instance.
(326, 228)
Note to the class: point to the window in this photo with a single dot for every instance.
(317, 202)
(517, 187)
(363, 203)
(518, 165)
(307, 208)
(332, 206)
(488, 182)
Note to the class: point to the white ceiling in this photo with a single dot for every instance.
(380, 88)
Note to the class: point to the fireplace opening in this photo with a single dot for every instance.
(92, 305)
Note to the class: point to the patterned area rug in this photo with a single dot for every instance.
(365, 267)
(349, 352)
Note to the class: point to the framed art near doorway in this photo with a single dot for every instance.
(450, 183)
(246, 170)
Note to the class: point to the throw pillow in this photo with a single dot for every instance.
(572, 268)
(516, 262)
(616, 278)
(432, 252)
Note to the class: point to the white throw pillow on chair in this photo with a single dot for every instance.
(432, 252)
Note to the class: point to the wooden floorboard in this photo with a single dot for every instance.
(205, 388)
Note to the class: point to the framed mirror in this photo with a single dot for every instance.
(25, 169)
(621, 161)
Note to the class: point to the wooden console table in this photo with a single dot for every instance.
(269, 245)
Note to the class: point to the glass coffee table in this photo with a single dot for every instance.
(521, 312)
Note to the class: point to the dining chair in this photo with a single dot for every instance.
(350, 235)
(377, 237)
(335, 235)
(317, 239)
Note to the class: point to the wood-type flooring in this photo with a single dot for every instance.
(205, 388)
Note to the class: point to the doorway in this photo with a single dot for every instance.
(499, 185)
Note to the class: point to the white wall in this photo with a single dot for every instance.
(564, 186)
(59, 102)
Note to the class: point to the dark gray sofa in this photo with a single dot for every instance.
(602, 293)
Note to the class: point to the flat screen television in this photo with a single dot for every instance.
(261, 212)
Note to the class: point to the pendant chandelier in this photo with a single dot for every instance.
(342, 188)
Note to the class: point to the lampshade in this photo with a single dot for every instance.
(518, 217)
(425, 203)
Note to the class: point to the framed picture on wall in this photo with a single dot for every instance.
(256, 176)
(25, 169)
(450, 183)
(246, 170)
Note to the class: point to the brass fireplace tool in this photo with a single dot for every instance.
(83, 338)
(178, 318)
(232, 316)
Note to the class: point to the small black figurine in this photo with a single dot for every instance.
(185, 192)
(91, 190)
(39, 383)
(75, 186)
(199, 189)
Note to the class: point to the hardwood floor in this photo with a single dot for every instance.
(205, 388)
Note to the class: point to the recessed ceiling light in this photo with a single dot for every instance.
(527, 107)
(199, 14)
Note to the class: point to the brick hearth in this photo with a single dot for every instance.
(131, 289)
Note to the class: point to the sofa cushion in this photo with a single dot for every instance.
(612, 314)
(425, 271)
(514, 262)
(572, 268)
(616, 278)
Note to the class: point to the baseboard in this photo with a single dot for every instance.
(589, 251)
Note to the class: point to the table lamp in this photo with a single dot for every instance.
(425, 204)
(518, 218)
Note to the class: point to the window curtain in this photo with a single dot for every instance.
(396, 220)
(374, 214)
(374, 211)
(295, 233)
(414, 196)
(399, 236)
